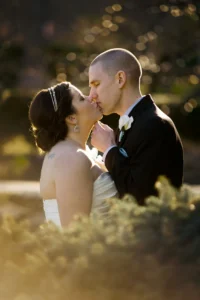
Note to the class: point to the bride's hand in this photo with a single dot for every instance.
(101, 165)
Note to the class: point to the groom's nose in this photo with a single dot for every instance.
(93, 96)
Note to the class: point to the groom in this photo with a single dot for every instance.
(147, 143)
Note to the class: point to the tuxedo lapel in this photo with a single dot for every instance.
(117, 132)
(124, 136)
(145, 104)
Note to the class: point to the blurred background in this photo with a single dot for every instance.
(46, 42)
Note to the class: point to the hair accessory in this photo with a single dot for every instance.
(53, 98)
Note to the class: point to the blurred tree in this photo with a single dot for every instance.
(164, 35)
(11, 55)
(45, 42)
(63, 37)
(165, 38)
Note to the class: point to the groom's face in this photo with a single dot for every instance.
(104, 89)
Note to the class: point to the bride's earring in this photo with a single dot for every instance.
(76, 128)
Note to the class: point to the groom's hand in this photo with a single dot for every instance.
(102, 137)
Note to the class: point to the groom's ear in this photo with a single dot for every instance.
(71, 120)
(121, 78)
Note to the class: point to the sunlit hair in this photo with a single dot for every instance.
(118, 59)
(48, 124)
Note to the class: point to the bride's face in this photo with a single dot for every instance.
(86, 111)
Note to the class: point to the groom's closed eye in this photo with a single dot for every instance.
(94, 83)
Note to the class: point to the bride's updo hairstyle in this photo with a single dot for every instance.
(47, 113)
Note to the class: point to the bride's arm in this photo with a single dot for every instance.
(74, 186)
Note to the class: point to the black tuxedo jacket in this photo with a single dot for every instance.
(154, 148)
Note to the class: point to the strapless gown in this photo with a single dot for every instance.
(104, 188)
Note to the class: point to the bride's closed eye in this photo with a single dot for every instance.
(82, 98)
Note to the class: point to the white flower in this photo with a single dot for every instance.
(125, 122)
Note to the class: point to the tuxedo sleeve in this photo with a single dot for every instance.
(137, 173)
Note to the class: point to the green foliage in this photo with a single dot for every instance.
(187, 122)
(164, 37)
(14, 117)
(149, 252)
(11, 55)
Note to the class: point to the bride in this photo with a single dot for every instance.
(71, 181)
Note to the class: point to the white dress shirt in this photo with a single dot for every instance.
(126, 113)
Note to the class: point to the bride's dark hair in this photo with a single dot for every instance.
(48, 125)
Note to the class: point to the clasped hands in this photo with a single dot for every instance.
(102, 137)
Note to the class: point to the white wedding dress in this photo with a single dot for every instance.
(104, 188)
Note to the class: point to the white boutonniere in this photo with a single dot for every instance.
(124, 124)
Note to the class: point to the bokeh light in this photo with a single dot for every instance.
(176, 12)
(193, 79)
(107, 17)
(105, 32)
(107, 23)
(96, 30)
(61, 77)
(5, 94)
(119, 19)
(188, 107)
(143, 38)
(151, 35)
(114, 27)
(89, 38)
(193, 102)
(109, 9)
(71, 56)
(140, 46)
(164, 8)
(117, 7)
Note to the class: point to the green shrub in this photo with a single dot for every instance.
(150, 252)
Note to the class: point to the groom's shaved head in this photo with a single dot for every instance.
(118, 59)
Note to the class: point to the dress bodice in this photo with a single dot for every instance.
(103, 189)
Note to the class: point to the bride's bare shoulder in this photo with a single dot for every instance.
(70, 155)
